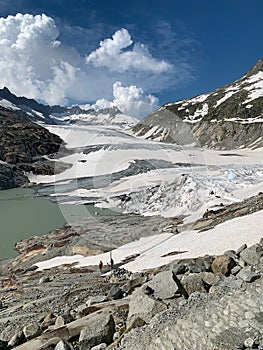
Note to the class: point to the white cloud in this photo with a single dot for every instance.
(111, 55)
(133, 101)
(129, 99)
(32, 62)
(35, 64)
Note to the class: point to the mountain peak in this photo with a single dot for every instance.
(256, 68)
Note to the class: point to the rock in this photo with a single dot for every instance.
(196, 268)
(11, 178)
(63, 345)
(247, 275)
(194, 283)
(144, 307)
(99, 332)
(115, 292)
(31, 330)
(163, 285)
(97, 300)
(235, 270)
(7, 333)
(209, 278)
(61, 320)
(207, 260)
(249, 343)
(99, 347)
(222, 265)
(136, 280)
(44, 279)
(240, 249)
(147, 290)
(49, 319)
(17, 339)
(179, 269)
(252, 255)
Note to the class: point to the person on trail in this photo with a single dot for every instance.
(111, 264)
(100, 265)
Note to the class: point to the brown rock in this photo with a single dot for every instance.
(223, 265)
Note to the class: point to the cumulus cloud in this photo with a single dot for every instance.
(111, 55)
(33, 62)
(36, 64)
(130, 100)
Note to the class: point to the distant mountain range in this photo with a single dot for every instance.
(229, 117)
(37, 112)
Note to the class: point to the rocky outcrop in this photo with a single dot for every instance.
(22, 141)
(23, 145)
(10, 177)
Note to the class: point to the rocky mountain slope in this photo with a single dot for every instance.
(37, 112)
(23, 147)
(209, 302)
(229, 117)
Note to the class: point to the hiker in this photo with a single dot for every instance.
(111, 263)
(100, 265)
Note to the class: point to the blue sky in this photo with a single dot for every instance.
(173, 49)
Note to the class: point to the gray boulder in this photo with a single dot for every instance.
(143, 307)
(101, 331)
(252, 255)
(31, 330)
(247, 275)
(115, 292)
(163, 285)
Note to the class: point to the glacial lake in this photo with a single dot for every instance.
(24, 214)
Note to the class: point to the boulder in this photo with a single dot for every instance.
(44, 279)
(194, 283)
(223, 265)
(247, 275)
(98, 332)
(31, 330)
(61, 320)
(115, 292)
(179, 268)
(163, 285)
(143, 307)
(209, 278)
(252, 255)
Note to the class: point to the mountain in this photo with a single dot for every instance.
(229, 117)
(104, 116)
(29, 108)
(38, 112)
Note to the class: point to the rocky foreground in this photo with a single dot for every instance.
(211, 302)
